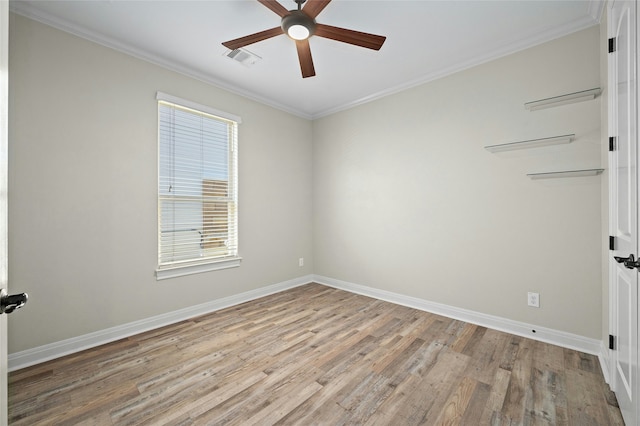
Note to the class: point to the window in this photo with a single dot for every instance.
(197, 188)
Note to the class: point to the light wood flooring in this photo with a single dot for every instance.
(317, 355)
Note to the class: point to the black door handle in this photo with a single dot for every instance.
(628, 262)
(623, 259)
(9, 303)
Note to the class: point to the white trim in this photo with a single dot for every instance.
(4, 144)
(181, 270)
(605, 362)
(54, 350)
(611, 72)
(596, 7)
(161, 96)
(547, 335)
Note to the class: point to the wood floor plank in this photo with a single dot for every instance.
(365, 398)
(249, 402)
(409, 338)
(543, 409)
(548, 357)
(443, 379)
(510, 353)
(495, 401)
(332, 354)
(466, 334)
(519, 392)
(485, 355)
(478, 401)
(315, 355)
(323, 405)
(580, 361)
(456, 405)
(278, 408)
(587, 407)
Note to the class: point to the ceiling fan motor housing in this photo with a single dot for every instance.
(298, 18)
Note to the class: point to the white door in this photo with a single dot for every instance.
(4, 136)
(624, 207)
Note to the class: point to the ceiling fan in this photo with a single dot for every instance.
(300, 24)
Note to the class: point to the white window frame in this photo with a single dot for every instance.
(194, 266)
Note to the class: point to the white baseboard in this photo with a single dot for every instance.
(51, 351)
(605, 362)
(555, 337)
(54, 350)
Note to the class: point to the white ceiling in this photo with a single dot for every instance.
(425, 40)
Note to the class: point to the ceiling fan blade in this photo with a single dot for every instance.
(304, 55)
(370, 41)
(252, 38)
(275, 7)
(314, 7)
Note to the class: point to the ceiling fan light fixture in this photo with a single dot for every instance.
(298, 32)
(298, 25)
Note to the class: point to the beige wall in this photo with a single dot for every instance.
(83, 132)
(398, 194)
(406, 199)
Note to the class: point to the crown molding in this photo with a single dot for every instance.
(24, 9)
(594, 12)
(596, 8)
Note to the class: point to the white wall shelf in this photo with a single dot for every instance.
(532, 143)
(570, 98)
(565, 174)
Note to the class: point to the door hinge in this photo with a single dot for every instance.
(612, 342)
(612, 242)
(612, 45)
(612, 143)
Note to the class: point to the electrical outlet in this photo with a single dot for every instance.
(301, 261)
(533, 299)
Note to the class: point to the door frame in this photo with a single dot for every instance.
(614, 296)
(4, 139)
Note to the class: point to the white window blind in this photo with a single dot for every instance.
(197, 186)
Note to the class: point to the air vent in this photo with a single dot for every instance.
(243, 56)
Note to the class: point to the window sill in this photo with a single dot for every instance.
(163, 273)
